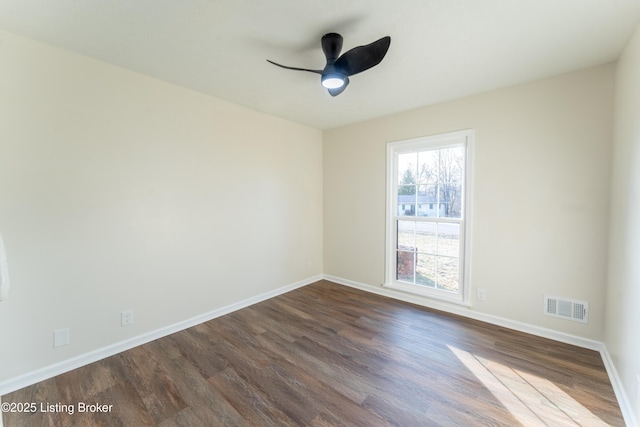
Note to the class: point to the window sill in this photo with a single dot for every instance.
(427, 293)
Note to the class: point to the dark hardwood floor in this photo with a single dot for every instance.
(328, 355)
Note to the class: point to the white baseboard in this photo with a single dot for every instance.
(623, 399)
(16, 383)
(621, 396)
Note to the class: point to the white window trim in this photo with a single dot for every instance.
(433, 142)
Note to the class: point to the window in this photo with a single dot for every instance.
(428, 207)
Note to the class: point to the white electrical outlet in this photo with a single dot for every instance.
(126, 317)
(61, 337)
(482, 295)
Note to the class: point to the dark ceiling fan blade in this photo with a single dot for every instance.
(331, 46)
(339, 68)
(362, 58)
(339, 90)
(295, 68)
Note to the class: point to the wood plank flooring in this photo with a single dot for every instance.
(328, 355)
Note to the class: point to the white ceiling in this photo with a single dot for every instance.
(440, 49)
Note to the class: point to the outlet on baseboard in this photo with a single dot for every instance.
(126, 317)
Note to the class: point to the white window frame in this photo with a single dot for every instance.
(458, 138)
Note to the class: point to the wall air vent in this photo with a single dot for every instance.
(566, 308)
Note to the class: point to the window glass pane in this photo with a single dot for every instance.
(426, 271)
(426, 237)
(428, 167)
(450, 178)
(406, 235)
(427, 201)
(448, 274)
(405, 266)
(406, 200)
(449, 239)
(451, 164)
(407, 168)
(450, 200)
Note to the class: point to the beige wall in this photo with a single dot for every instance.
(623, 295)
(540, 199)
(118, 191)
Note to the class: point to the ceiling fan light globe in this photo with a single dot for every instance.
(332, 81)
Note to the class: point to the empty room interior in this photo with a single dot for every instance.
(191, 235)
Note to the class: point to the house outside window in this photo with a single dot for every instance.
(428, 189)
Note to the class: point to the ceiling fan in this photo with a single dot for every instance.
(335, 75)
